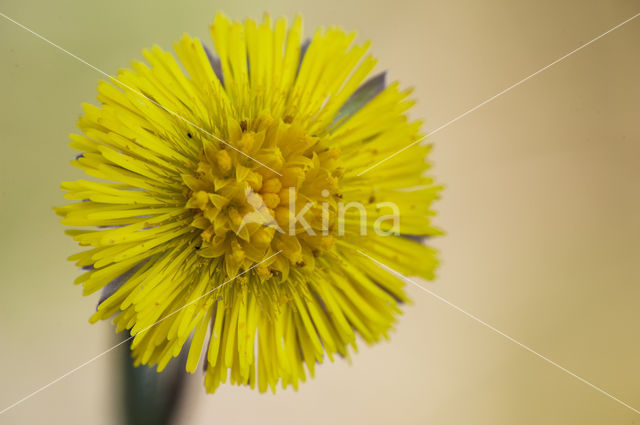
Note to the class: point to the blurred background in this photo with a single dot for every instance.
(541, 209)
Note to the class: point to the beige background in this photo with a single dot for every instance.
(542, 210)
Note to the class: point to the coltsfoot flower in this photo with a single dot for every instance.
(228, 205)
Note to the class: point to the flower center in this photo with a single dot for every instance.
(279, 193)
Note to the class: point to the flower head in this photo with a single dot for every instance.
(230, 205)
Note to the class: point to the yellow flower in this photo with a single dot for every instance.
(229, 205)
